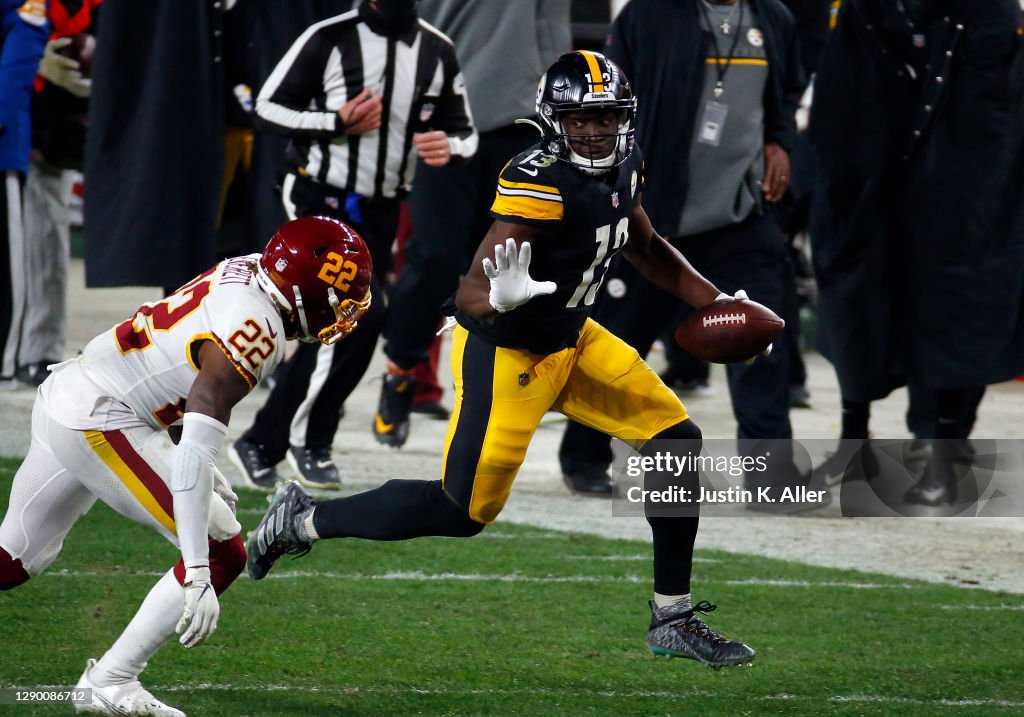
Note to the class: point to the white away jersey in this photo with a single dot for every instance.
(148, 362)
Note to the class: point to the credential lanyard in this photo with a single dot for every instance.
(720, 67)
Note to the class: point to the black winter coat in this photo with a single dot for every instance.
(154, 152)
(918, 220)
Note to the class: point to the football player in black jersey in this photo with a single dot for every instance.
(524, 344)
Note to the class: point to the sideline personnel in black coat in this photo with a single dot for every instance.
(918, 227)
(154, 152)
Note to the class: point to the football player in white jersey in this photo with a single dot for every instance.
(137, 419)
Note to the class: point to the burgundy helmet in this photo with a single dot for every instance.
(319, 269)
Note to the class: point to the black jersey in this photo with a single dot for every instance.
(583, 222)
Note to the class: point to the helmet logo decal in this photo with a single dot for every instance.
(281, 264)
(338, 271)
(595, 77)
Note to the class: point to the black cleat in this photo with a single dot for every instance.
(278, 531)
(314, 468)
(391, 424)
(252, 463)
(591, 482)
(950, 462)
(34, 374)
(938, 484)
(678, 632)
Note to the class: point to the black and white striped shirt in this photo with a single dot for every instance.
(417, 77)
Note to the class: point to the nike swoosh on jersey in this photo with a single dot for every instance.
(531, 172)
(270, 329)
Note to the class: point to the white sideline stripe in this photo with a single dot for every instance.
(542, 692)
(986, 608)
(416, 575)
(638, 558)
(817, 584)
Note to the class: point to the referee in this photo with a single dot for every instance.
(356, 94)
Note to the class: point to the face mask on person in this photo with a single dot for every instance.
(394, 15)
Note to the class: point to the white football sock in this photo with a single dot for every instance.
(664, 601)
(151, 627)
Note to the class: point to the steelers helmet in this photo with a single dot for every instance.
(580, 81)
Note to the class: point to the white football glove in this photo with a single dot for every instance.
(509, 274)
(222, 487)
(63, 71)
(199, 620)
(741, 294)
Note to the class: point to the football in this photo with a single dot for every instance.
(81, 49)
(729, 330)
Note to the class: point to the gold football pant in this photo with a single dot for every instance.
(501, 395)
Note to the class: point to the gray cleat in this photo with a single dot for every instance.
(678, 632)
(278, 532)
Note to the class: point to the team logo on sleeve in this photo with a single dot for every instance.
(754, 37)
(632, 184)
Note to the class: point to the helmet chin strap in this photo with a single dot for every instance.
(303, 324)
(593, 167)
(531, 123)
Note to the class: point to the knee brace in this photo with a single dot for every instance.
(12, 572)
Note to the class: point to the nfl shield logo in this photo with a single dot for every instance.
(615, 200)
(332, 202)
(919, 41)
(281, 264)
(426, 111)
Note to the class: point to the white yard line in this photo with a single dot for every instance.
(419, 576)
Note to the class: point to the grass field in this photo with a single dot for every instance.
(518, 621)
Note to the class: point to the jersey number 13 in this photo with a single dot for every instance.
(607, 244)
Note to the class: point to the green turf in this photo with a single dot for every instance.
(340, 640)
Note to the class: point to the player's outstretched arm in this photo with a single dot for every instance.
(216, 390)
(662, 263)
(499, 279)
